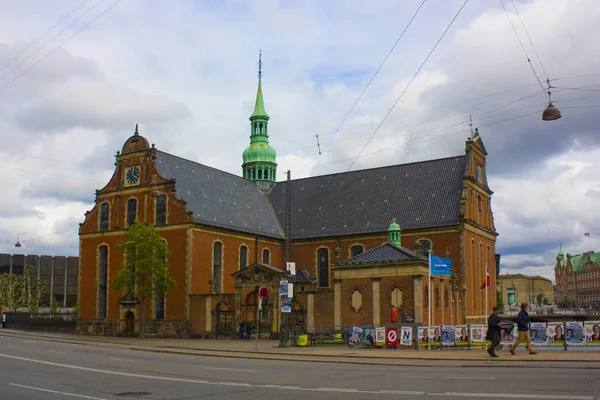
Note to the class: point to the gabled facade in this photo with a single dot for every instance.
(218, 225)
(577, 280)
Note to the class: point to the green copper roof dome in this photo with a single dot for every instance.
(259, 151)
(394, 233)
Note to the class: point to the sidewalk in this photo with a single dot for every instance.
(269, 349)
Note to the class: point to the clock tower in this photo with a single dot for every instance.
(260, 158)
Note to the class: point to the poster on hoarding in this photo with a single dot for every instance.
(447, 335)
(391, 337)
(538, 333)
(380, 336)
(478, 333)
(460, 335)
(435, 334)
(283, 288)
(286, 305)
(423, 335)
(574, 336)
(592, 332)
(508, 333)
(355, 335)
(556, 334)
(406, 335)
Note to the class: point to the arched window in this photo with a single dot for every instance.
(437, 298)
(446, 304)
(260, 174)
(323, 267)
(131, 212)
(425, 247)
(356, 250)
(218, 266)
(161, 210)
(426, 297)
(102, 281)
(266, 257)
(104, 216)
(159, 304)
(243, 257)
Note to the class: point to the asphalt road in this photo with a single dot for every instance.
(32, 369)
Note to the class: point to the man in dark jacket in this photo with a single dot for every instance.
(493, 332)
(523, 328)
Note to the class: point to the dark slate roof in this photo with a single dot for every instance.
(302, 276)
(419, 195)
(385, 253)
(219, 198)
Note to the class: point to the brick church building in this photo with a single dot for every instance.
(359, 241)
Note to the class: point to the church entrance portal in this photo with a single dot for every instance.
(129, 324)
(264, 314)
(225, 319)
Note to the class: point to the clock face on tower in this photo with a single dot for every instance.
(132, 175)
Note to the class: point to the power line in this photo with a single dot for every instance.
(60, 45)
(529, 38)
(376, 72)
(50, 174)
(49, 41)
(522, 47)
(411, 80)
(53, 159)
(40, 38)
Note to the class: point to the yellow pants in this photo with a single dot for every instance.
(523, 337)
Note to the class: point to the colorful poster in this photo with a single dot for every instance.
(460, 335)
(391, 337)
(406, 338)
(286, 305)
(355, 335)
(447, 335)
(423, 335)
(380, 336)
(283, 288)
(508, 333)
(369, 334)
(477, 334)
(592, 332)
(556, 335)
(538, 333)
(435, 334)
(575, 335)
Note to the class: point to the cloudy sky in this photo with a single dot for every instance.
(186, 72)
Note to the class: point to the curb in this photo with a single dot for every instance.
(321, 358)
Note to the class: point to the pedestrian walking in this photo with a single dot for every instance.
(3, 320)
(493, 332)
(523, 328)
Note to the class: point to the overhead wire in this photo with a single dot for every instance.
(41, 37)
(370, 81)
(59, 46)
(529, 38)
(49, 41)
(412, 79)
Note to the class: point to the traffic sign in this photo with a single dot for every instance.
(264, 292)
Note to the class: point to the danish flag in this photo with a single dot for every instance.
(586, 234)
(488, 281)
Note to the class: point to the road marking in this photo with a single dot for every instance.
(56, 351)
(337, 390)
(119, 359)
(230, 369)
(514, 396)
(29, 341)
(14, 347)
(278, 387)
(470, 377)
(57, 392)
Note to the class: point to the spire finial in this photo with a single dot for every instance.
(137, 132)
(259, 63)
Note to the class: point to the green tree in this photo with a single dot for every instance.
(32, 290)
(11, 291)
(541, 299)
(499, 300)
(144, 273)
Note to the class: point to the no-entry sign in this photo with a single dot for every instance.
(391, 337)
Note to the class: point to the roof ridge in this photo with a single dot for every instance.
(376, 168)
(203, 165)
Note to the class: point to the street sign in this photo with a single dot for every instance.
(264, 292)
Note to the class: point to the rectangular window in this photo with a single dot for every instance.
(243, 257)
(266, 257)
(161, 210)
(218, 266)
(104, 213)
(323, 267)
(102, 281)
(18, 264)
(131, 212)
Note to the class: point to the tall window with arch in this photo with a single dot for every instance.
(243, 257)
(323, 267)
(131, 212)
(161, 210)
(437, 298)
(266, 256)
(446, 299)
(218, 266)
(102, 281)
(426, 301)
(104, 216)
(356, 250)
(425, 246)
(159, 305)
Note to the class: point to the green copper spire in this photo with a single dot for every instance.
(260, 158)
(394, 233)
(259, 105)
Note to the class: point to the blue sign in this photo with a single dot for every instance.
(440, 266)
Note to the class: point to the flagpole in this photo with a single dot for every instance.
(442, 286)
(429, 292)
(486, 289)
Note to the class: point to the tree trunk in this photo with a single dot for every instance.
(142, 319)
